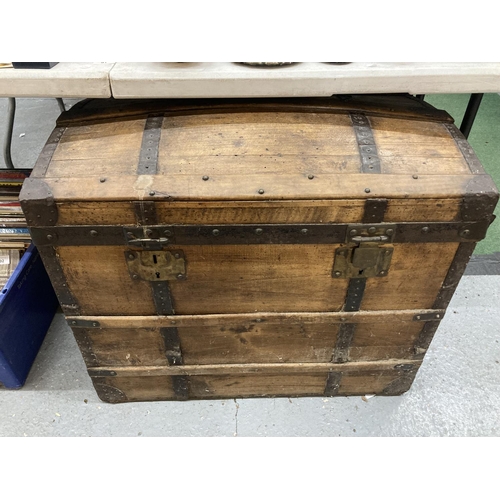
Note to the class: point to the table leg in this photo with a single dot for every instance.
(7, 141)
(61, 104)
(470, 114)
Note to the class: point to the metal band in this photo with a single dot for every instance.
(148, 157)
(66, 299)
(445, 294)
(480, 199)
(180, 384)
(454, 275)
(465, 148)
(424, 338)
(251, 234)
(43, 161)
(162, 297)
(344, 340)
(481, 196)
(354, 297)
(374, 211)
(403, 382)
(84, 342)
(332, 385)
(172, 345)
(82, 323)
(37, 202)
(355, 292)
(108, 393)
(370, 162)
(145, 211)
(432, 316)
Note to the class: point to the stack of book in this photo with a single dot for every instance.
(14, 235)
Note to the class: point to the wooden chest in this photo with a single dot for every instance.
(245, 248)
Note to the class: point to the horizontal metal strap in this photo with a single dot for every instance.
(248, 234)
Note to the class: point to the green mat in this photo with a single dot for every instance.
(485, 139)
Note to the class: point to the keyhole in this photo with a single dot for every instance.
(158, 275)
(155, 260)
(360, 272)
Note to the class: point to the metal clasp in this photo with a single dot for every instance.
(366, 253)
(156, 265)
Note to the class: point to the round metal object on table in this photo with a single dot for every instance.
(266, 64)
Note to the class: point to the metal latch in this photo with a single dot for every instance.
(156, 265)
(367, 253)
(148, 238)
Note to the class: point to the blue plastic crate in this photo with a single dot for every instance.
(27, 306)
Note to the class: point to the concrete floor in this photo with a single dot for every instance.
(456, 392)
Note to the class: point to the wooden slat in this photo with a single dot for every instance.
(284, 338)
(263, 143)
(134, 389)
(285, 318)
(247, 368)
(414, 279)
(361, 384)
(222, 386)
(226, 278)
(237, 187)
(247, 278)
(275, 212)
(254, 343)
(265, 164)
(98, 150)
(98, 276)
(260, 385)
(423, 210)
(393, 339)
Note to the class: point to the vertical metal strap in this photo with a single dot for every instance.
(375, 209)
(465, 148)
(424, 338)
(354, 296)
(454, 275)
(401, 384)
(51, 262)
(43, 161)
(82, 337)
(173, 352)
(170, 335)
(332, 385)
(344, 341)
(450, 283)
(172, 346)
(145, 212)
(162, 297)
(355, 292)
(370, 162)
(148, 156)
(181, 386)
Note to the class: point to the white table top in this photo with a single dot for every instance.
(223, 79)
(63, 80)
(226, 79)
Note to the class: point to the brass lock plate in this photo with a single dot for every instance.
(365, 261)
(156, 265)
(367, 253)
